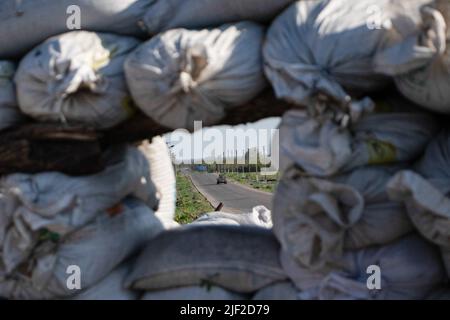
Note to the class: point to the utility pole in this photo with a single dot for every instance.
(235, 160)
(265, 161)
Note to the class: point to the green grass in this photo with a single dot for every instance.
(254, 180)
(190, 203)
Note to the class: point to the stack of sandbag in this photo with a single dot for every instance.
(194, 292)
(425, 191)
(94, 250)
(259, 217)
(77, 78)
(9, 112)
(208, 262)
(50, 221)
(26, 23)
(163, 15)
(332, 212)
(409, 268)
(181, 75)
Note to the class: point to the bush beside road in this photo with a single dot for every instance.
(254, 180)
(190, 203)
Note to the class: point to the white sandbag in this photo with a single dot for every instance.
(259, 217)
(9, 112)
(193, 293)
(426, 193)
(97, 249)
(323, 146)
(183, 75)
(279, 291)
(26, 23)
(162, 175)
(410, 268)
(424, 76)
(78, 78)
(110, 288)
(240, 259)
(61, 204)
(317, 220)
(328, 47)
(170, 14)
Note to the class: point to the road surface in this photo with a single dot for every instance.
(236, 198)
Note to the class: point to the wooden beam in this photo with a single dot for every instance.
(77, 150)
(140, 127)
(37, 147)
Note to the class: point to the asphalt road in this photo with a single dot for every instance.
(235, 197)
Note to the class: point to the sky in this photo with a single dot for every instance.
(214, 141)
